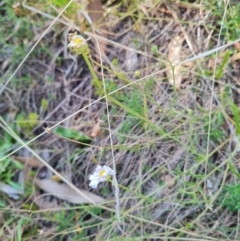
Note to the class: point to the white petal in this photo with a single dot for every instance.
(71, 45)
(109, 170)
(78, 37)
(103, 179)
(93, 177)
(93, 184)
(98, 168)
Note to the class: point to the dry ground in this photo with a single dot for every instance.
(173, 134)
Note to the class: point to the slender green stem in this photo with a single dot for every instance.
(96, 81)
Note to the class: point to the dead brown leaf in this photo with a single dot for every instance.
(2, 219)
(237, 46)
(96, 131)
(235, 57)
(10, 191)
(5, 64)
(56, 178)
(95, 11)
(43, 203)
(174, 56)
(66, 193)
(29, 161)
(131, 60)
(169, 180)
(24, 175)
(213, 61)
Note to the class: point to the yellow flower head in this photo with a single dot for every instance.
(78, 44)
(77, 41)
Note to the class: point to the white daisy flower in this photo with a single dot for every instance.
(76, 41)
(101, 174)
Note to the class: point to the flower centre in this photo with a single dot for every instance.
(102, 173)
(77, 41)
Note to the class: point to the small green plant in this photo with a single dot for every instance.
(70, 223)
(44, 104)
(232, 199)
(27, 122)
(230, 29)
(71, 10)
(134, 102)
(216, 134)
(71, 134)
(8, 167)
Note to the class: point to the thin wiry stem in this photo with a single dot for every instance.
(115, 182)
(202, 55)
(34, 46)
(212, 88)
(16, 137)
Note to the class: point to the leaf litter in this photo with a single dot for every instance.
(141, 154)
(29, 161)
(10, 191)
(96, 130)
(66, 193)
(95, 11)
(173, 71)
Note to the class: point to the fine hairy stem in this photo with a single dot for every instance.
(96, 81)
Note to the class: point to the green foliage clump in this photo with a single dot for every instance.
(134, 102)
(216, 133)
(71, 11)
(232, 200)
(27, 122)
(230, 26)
(72, 134)
(44, 104)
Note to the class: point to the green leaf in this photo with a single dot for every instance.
(15, 185)
(72, 134)
(223, 64)
(19, 230)
(235, 111)
(33, 119)
(28, 122)
(2, 204)
(5, 164)
(234, 170)
(44, 104)
(154, 49)
(18, 165)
